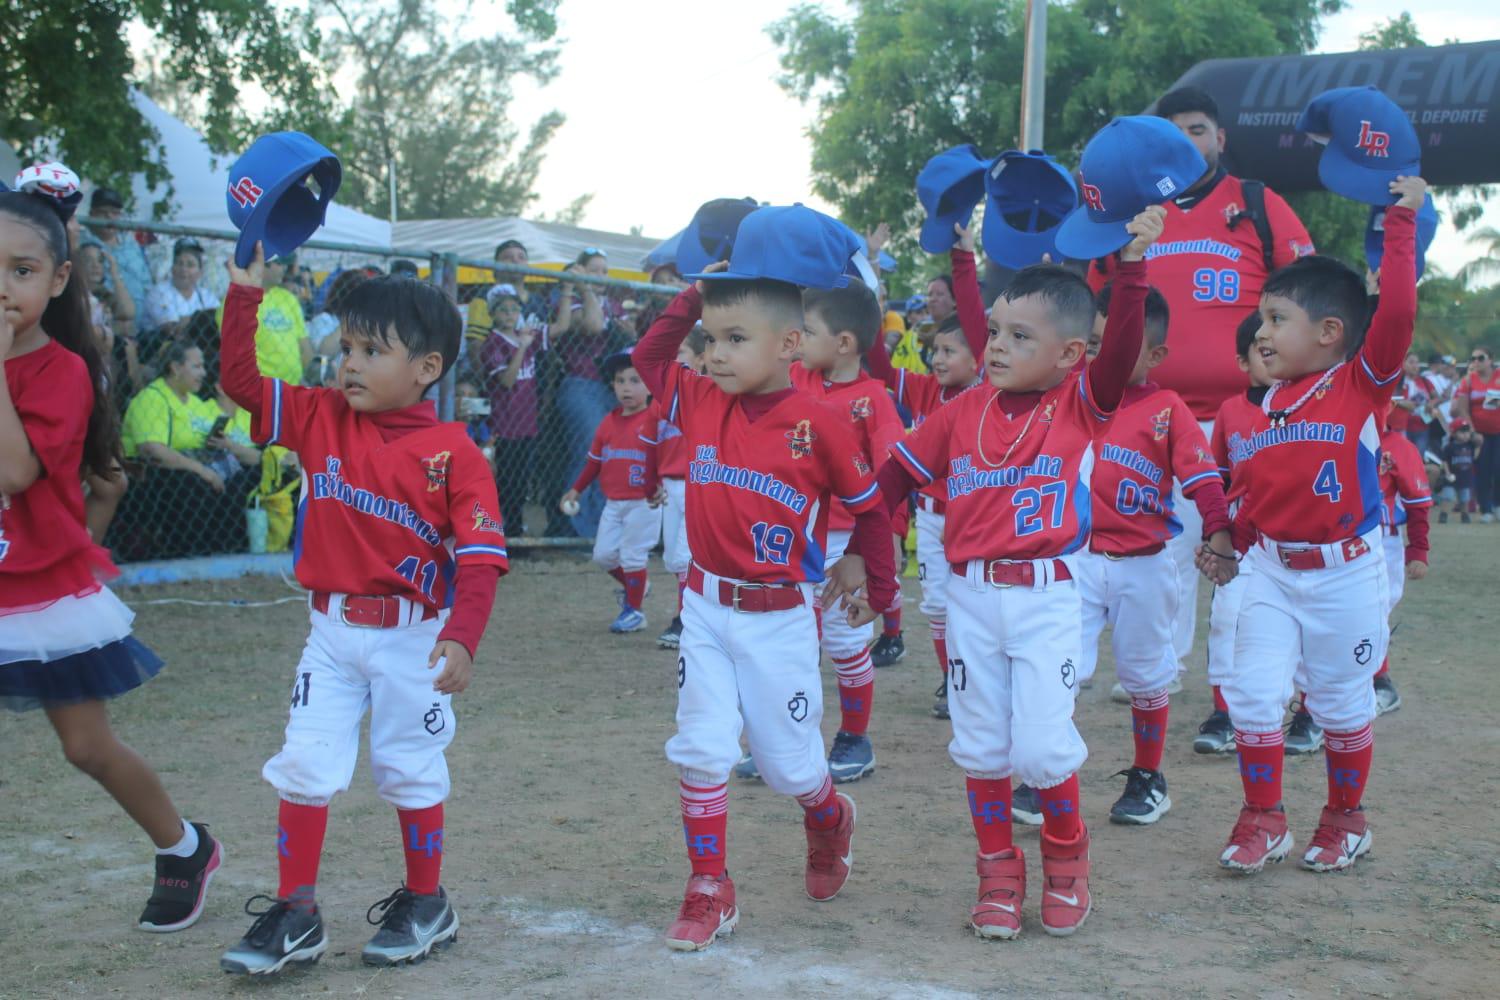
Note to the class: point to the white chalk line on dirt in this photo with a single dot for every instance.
(737, 965)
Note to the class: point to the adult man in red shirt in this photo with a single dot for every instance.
(1223, 238)
(1477, 400)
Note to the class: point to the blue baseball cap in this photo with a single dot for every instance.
(268, 197)
(1427, 224)
(1030, 194)
(709, 238)
(1129, 165)
(1368, 139)
(949, 186)
(915, 302)
(794, 244)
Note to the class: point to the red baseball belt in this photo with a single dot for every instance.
(755, 598)
(1006, 573)
(1314, 558)
(930, 504)
(368, 612)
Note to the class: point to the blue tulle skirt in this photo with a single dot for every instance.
(72, 650)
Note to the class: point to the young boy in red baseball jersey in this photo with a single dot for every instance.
(766, 462)
(672, 463)
(1018, 455)
(1406, 500)
(400, 547)
(1127, 577)
(1310, 518)
(956, 347)
(624, 462)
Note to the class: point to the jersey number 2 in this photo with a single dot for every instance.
(407, 570)
(1327, 484)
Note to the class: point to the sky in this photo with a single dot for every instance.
(630, 72)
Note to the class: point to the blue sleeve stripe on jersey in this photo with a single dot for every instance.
(915, 465)
(1199, 478)
(672, 411)
(275, 412)
(901, 387)
(481, 550)
(861, 497)
(648, 440)
(1416, 501)
(594, 458)
(1083, 390)
(1376, 378)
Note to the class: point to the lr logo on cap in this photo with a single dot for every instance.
(1091, 196)
(1373, 142)
(245, 191)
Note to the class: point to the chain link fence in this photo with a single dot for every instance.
(526, 382)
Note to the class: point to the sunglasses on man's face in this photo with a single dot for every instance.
(1481, 358)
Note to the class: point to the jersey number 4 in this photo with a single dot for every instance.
(773, 543)
(1029, 505)
(408, 570)
(1327, 484)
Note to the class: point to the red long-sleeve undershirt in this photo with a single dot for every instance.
(657, 350)
(971, 318)
(1417, 523)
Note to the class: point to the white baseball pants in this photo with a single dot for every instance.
(840, 640)
(628, 530)
(674, 539)
(1394, 550)
(1138, 596)
(932, 564)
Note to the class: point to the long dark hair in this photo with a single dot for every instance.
(68, 321)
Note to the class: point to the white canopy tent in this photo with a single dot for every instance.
(546, 242)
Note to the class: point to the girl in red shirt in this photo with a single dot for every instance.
(65, 642)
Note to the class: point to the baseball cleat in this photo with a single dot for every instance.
(1145, 799)
(281, 935)
(629, 620)
(181, 885)
(1066, 902)
(1303, 735)
(888, 649)
(672, 637)
(1002, 890)
(1216, 735)
(940, 700)
(1341, 837)
(1387, 698)
(830, 853)
(851, 758)
(746, 768)
(411, 926)
(1260, 837)
(708, 912)
(1026, 806)
(1442, 517)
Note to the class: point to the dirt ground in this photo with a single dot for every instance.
(564, 850)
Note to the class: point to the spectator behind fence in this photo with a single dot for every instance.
(508, 361)
(323, 328)
(134, 271)
(1477, 400)
(181, 294)
(191, 499)
(282, 348)
(580, 339)
(532, 303)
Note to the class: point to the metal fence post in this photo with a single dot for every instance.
(445, 272)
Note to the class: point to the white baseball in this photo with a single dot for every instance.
(569, 507)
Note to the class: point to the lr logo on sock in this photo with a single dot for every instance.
(429, 845)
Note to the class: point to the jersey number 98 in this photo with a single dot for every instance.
(773, 543)
(1210, 285)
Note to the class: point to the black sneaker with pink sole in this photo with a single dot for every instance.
(181, 885)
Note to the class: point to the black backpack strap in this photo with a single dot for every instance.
(1255, 210)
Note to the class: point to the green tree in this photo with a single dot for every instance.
(1476, 270)
(67, 69)
(902, 79)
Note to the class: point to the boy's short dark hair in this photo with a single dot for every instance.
(421, 315)
(507, 245)
(1325, 287)
(614, 365)
(1158, 313)
(1065, 292)
(853, 308)
(783, 302)
(696, 339)
(1244, 334)
(1185, 100)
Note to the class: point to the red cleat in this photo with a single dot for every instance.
(1002, 889)
(1066, 902)
(1342, 836)
(708, 911)
(1259, 838)
(830, 853)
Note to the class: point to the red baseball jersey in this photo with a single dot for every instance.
(1484, 400)
(1152, 440)
(377, 516)
(1017, 487)
(758, 492)
(1233, 426)
(624, 463)
(872, 417)
(1212, 275)
(45, 550)
(923, 395)
(671, 447)
(1403, 480)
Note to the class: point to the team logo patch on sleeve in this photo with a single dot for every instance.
(483, 521)
(1161, 425)
(861, 466)
(436, 470)
(1047, 412)
(800, 439)
(860, 409)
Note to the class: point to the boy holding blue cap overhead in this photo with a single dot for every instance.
(765, 463)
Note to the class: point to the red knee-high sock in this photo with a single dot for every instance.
(939, 629)
(705, 826)
(422, 842)
(1220, 705)
(856, 691)
(1062, 814)
(891, 622)
(681, 586)
(821, 808)
(635, 588)
(299, 847)
(1261, 756)
(1385, 667)
(619, 575)
(1349, 756)
(1148, 718)
(989, 807)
